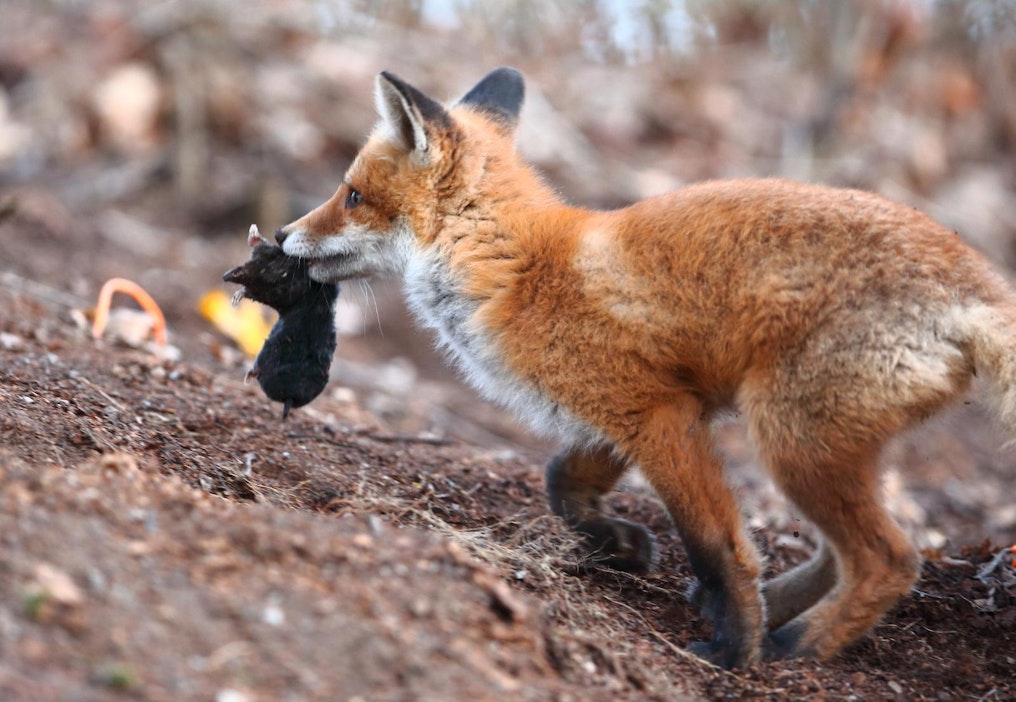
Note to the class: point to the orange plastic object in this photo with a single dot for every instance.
(128, 287)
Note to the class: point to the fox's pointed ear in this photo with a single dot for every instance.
(499, 95)
(409, 113)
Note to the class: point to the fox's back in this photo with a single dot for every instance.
(734, 241)
(700, 285)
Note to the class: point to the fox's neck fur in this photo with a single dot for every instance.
(485, 245)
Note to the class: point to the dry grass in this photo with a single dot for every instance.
(584, 637)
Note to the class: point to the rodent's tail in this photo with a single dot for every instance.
(990, 331)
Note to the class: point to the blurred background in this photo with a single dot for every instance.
(227, 114)
(141, 139)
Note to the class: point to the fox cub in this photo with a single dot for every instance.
(831, 319)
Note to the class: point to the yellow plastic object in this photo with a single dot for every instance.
(247, 323)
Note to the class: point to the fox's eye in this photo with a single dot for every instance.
(353, 199)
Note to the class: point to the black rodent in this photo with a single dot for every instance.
(292, 367)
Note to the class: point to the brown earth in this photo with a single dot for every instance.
(166, 536)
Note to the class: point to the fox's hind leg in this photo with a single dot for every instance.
(577, 479)
(876, 562)
(821, 442)
(820, 417)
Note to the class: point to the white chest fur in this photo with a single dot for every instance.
(436, 299)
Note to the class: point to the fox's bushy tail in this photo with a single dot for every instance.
(990, 331)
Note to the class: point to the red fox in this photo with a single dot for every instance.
(830, 319)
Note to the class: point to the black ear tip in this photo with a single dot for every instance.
(499, 94)
(390, 77)
(509, 77)
(400, 85)
(508, 72)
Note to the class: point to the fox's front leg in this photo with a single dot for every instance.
(673, 447)
(577, 479)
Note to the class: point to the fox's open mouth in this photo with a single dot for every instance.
(325, 260)
(329, 269)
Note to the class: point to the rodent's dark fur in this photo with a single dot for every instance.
(292, 367)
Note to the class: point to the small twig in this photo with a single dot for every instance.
(922, 593)
(399, 439)
(687, 655)
(99, 390)
(384, 438)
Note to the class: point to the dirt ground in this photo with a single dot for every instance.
(165, 536)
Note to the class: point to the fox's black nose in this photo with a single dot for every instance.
(280, 236)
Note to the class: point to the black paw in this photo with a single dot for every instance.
(619, 544)
(724, 656)
(785, 642)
